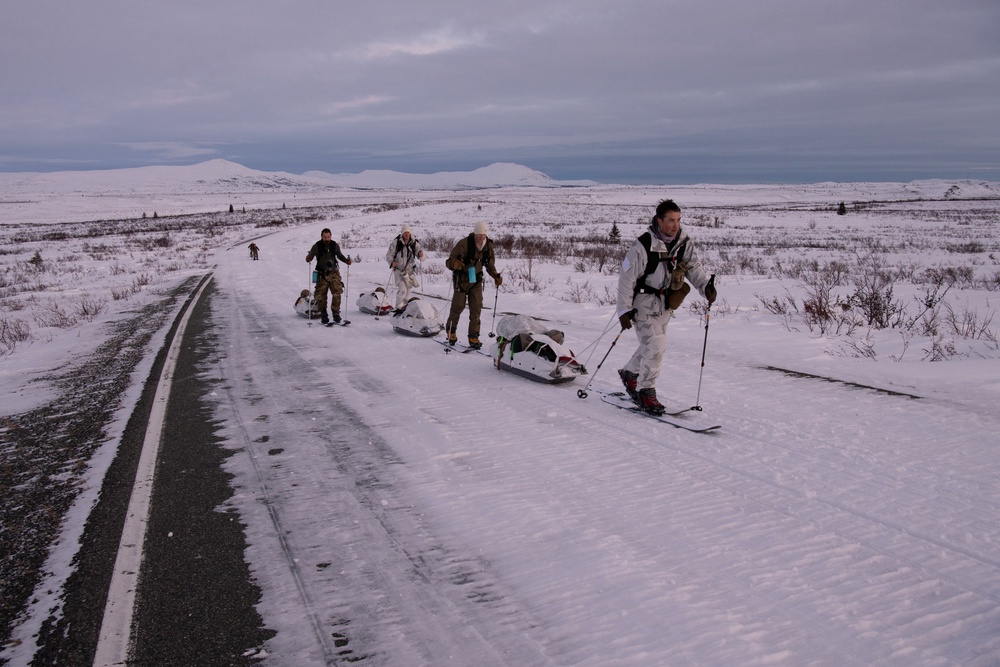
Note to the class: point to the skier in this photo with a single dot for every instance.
(651, 286)
(467, 260)
(326, 251)
(402, 256)
(254, 251)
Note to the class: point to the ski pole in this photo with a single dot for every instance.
(708, 314)
(582, 393)
(385, 293)
(309, 303)
(347, 283)
(495, 299)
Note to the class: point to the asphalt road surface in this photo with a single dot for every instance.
(195, 600)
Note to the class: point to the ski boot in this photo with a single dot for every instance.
(474, 343)
(336, 317)
(629, 379)
(649, 403)
(452, 338)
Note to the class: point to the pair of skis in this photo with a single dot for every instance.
(461, 348)
(691, 419)
(341, 323)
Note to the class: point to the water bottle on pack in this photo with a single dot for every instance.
(472, 274)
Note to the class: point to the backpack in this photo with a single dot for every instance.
(470, 252)
(326, 259)
(653, 260)
(400, 246)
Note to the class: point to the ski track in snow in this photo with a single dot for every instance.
(406, 507)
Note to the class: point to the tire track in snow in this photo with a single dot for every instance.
(419, 596)
(242, 439)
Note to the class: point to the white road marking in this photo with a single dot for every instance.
(115, 641)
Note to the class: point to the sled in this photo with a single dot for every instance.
(305, 306)
(374, 303)
(419, 318)
(526, 348)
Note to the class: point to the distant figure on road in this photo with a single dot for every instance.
(254, 251)
(326, 251)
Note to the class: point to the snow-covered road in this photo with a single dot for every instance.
(408, 507)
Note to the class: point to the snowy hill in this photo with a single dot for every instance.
(207, 176)
(496, 175)
(75, 196)
(215, 175)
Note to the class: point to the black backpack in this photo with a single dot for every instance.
(653, 260)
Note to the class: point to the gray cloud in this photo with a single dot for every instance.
(623, 91)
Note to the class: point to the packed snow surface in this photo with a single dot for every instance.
(407, 506)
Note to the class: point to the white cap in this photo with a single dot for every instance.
(405, 229)
(480, 227)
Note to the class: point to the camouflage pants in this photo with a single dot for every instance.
(458, 300)
(404, 282)
(330, 282)
(648, 357)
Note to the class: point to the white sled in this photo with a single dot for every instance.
(374, 303)
(526, 348)
(305, 306)
(419, 318)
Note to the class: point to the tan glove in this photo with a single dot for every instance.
(677, 276)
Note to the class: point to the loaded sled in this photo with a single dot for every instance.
(305, 306)
(419, 318)
(526, 348)
(374, 303)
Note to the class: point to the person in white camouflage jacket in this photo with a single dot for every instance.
(652, 284)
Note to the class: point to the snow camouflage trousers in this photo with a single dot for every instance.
(330, 282)
(648, 357)
(475, 299)
(404, 281)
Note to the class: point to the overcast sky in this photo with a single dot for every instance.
(617, 91)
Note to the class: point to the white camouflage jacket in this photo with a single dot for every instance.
(634, 265)
(407, 256)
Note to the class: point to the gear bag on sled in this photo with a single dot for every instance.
(305, 306)
(419, 318)
(525, 347)
(374, 303)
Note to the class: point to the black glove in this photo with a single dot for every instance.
(711, 293)
(498, 280)
(626, 319)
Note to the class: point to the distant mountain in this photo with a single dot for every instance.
(225, 175)
(496, 175)
(211, 175)
(225, 179)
